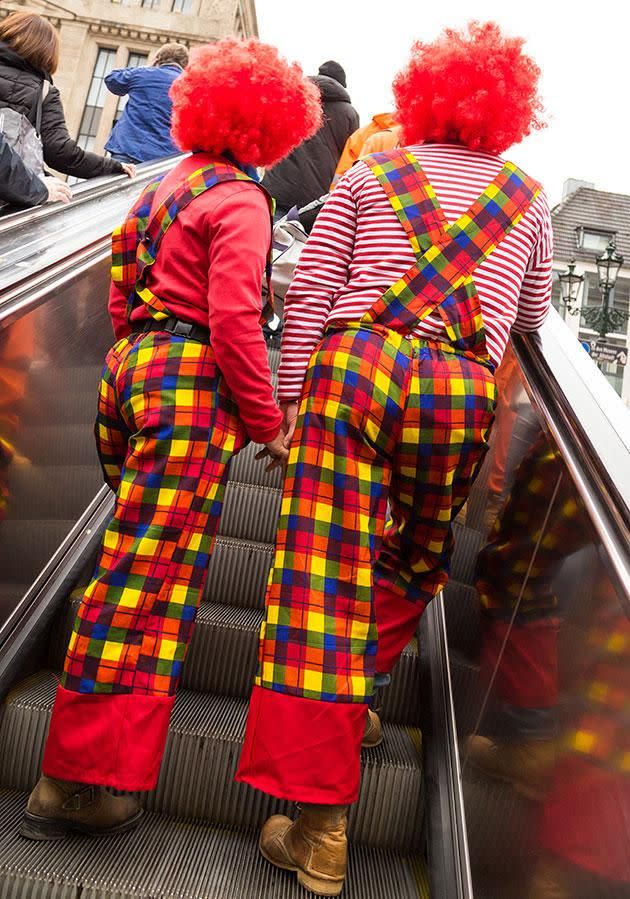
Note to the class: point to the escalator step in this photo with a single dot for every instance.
(246, 469)
(462, 611)
(175, 859)
(468, 542)
(223, 654)
(250, 512)
(202, 751)
(238, 572)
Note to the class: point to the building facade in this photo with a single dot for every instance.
(100, 35)
(583, 224)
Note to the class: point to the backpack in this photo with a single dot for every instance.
(22, 136)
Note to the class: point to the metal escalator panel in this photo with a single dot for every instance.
(539, 635)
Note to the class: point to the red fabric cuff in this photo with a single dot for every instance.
(110, 739)
(303, 750)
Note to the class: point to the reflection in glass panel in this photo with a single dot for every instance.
(540, 655)
(50, 362)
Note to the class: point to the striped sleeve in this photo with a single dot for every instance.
(535, 293)
(322, 271)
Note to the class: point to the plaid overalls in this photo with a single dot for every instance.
(383, 417)
(166, 429)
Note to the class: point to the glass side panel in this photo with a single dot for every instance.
(50, 362)
(539, 642)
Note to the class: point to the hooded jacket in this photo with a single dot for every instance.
(307, 172)
(20, 84)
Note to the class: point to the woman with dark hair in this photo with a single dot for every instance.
(29, 55)
(185, 387)
(420, 263)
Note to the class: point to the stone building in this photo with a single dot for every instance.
(583, 224)
(100, 35)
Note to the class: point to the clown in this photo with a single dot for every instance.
(419, 265)
(185, 387)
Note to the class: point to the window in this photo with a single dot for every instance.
(182, 6)
(135, 61)
(95, 101)
(152, 4)
(555, 294)
(593, 239)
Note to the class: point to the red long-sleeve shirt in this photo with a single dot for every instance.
(209, 271)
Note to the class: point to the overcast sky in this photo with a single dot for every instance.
(582, 49)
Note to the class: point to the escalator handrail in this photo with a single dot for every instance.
(92, 189)
(590, 426)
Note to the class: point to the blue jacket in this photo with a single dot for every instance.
(143, 132)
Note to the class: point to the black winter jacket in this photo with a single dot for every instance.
(18, 185)
(308, 172)
(20, 84)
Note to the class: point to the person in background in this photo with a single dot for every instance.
(19, 187)
(306, 174)
(29, 54)
(359, 143)
(186, 386)
(143, 132)
(419, 265)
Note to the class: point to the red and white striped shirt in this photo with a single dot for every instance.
(358, 249)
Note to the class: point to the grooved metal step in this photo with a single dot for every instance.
(202, 751)
(468, 543)
(462, 611)
(238, 571)
(250, 512)
(223, 656)
(246, 469)
(166, 858)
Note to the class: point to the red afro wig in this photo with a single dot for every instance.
(475, 87)
(242, 97)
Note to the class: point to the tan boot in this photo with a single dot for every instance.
(57, 807)
(527, 765)
(373, 734)
(315, 846)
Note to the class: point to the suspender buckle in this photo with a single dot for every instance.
(181, 329)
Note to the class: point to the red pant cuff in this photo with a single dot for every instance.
(111, 739)
(303, 750)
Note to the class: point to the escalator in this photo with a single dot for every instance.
(408, 831)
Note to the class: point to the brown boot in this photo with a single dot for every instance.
(527, 765)
(57, 807)
(315, 846)
(373, 734)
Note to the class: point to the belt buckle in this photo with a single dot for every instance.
(182, 329)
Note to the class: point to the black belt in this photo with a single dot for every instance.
(178, 328)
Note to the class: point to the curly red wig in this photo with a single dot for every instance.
(474, 87)
(242, 97)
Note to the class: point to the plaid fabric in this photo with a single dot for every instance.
(447, 255)
(136, 243)
(166, 430)
(599, 731)
(381, 417)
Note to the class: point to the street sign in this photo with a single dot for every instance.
(600, 351)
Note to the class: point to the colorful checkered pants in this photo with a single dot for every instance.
(166, 430)
(382, 418)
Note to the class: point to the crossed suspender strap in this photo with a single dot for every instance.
(147, 230)
(446, 255)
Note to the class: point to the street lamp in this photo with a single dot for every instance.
(605, 319)
(570, 288)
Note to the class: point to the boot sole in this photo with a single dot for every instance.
(313, 884)
(373, 744)
(34, 827)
